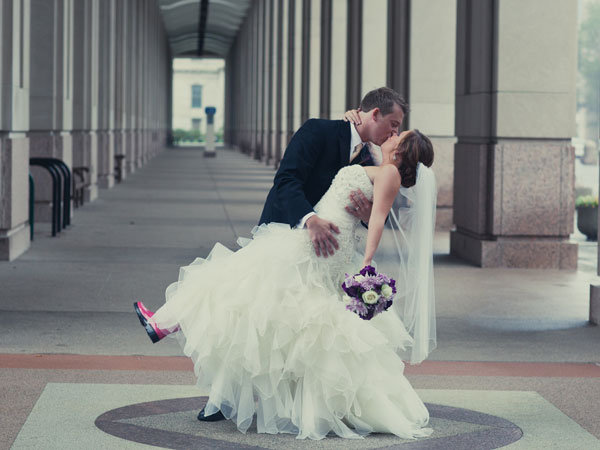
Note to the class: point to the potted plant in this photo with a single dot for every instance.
(587, 216)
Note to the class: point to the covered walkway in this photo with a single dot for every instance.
(67, 319)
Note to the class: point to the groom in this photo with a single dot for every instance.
(316, 152)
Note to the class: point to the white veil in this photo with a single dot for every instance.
(409, 236)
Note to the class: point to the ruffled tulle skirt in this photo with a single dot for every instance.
(270, 338)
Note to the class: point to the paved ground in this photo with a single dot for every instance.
(66, 319)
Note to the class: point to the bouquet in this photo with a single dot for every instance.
(368, 293)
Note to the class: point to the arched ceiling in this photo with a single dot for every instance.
(202, 27)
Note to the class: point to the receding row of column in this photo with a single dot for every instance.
(82, 81)
(316, 58)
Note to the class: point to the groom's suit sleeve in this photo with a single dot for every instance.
(299, 161)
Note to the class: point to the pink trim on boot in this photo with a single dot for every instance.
(155, 333)
(145, 311)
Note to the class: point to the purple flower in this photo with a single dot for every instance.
(368, 270)
(357, 307)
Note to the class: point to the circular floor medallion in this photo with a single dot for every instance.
(172, 424)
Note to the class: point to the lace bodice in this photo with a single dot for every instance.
(332, 204)
(332, 207)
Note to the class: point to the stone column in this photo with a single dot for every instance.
(79, 73)
(325, 59)
(45, 100)
(314, 64)
(354, 53)
(305, 39)
(106, 68)
(66, 81)
(289, 111)
(119, 142)
(249, 61)
(245, 61)
(398, 49)
(267, 100)
(373, 46)
(283, 118)
(339, 53)
(515, 110)
(14, 123)
(260, 79)
(138, 80)
(277, 84)
(431, 91)
(91, 89)
(297, 63)
(129, 65)
(228, 124)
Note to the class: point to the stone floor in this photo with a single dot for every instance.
(516, 357)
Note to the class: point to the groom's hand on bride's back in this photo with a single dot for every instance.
(321, 234)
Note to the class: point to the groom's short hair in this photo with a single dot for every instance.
(383, 98)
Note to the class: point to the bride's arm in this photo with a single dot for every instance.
(385, 188)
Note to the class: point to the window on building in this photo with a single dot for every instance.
(196, 124)
(196, 96)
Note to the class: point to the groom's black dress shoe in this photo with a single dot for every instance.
(212, 418)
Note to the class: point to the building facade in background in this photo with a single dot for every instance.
(198, 83)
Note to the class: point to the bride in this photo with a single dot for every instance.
(269, 334)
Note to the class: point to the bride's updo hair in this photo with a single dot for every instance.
(414, 148)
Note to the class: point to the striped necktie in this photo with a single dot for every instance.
(356, 152)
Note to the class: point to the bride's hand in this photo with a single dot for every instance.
(360, 206)
(367, 262)
(352, 116)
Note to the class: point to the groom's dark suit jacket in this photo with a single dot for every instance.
(318, 150)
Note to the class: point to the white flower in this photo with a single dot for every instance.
(346, 299)
(370, 297)
(386, 290)
(360, 278)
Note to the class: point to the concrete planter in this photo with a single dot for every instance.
(587, 221)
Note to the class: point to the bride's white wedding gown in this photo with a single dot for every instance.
(270, 336)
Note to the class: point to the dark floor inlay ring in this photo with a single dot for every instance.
(172, 424)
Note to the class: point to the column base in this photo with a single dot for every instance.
(90, 193)
(522, 252)
(106, 181)
(13, 243)
(14, 195)
(106, 159)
